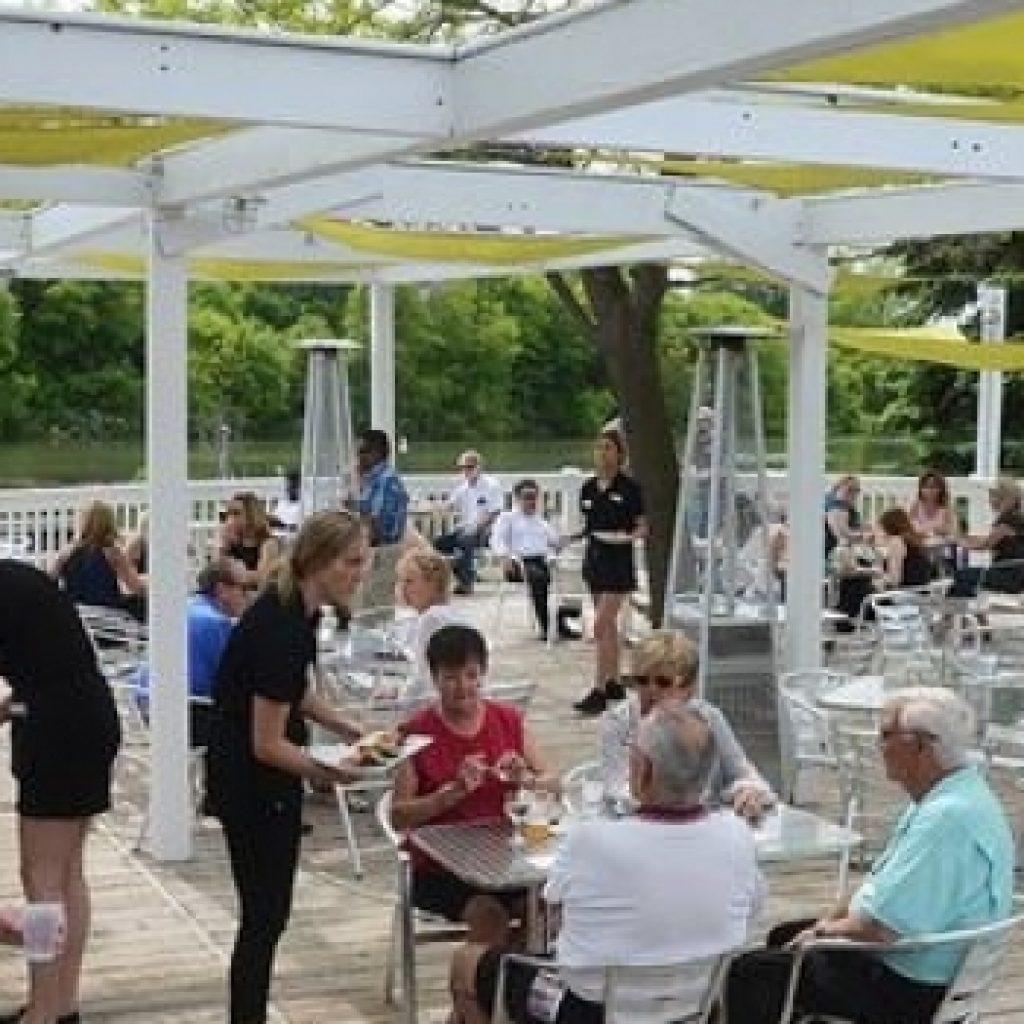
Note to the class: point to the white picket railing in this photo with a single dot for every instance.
(36, 522)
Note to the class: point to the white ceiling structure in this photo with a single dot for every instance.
(296, 140)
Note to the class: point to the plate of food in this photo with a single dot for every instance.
(374, 755)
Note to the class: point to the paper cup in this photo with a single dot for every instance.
(43, 930)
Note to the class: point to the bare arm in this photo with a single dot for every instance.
(127, 574)
(410, 810)
(848, 926)
(272, 746)
(321, 711)
(270, 552)
(895, 556)
(997, 533)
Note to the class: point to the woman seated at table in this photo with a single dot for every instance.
(95, 570)
(931, 512)
(480, 747)
(245, 536)
(424, 584)
(665, 670)
(842, 517)
(1004, 541)
(906, 560)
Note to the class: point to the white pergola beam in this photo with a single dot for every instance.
(61, 226)
(113, 64)
(623, 52)
(257, 159)
(98, 186)
(878, 218)
(760, 232)
(755, 130)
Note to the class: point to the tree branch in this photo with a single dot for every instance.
(561, 288)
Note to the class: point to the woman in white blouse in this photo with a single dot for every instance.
(423, 582)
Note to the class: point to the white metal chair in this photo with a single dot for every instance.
(685, 992)
(983, 950)
(506, 587)
(804, 727)
(409, 927)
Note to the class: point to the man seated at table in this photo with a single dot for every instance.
(480, 748)
(948, 866)
(212, 613)
(674, 883)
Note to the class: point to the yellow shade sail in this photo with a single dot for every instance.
(214, 269)
(459, 246)
(40, 137)
(931, 345)
(984, 56)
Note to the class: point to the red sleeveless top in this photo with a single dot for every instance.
(438, 764)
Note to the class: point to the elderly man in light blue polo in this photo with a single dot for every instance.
(948, 865)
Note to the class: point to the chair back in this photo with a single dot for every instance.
(804, 731)
(573, 781)
(971, 987)
(375, 603)
(384, 820)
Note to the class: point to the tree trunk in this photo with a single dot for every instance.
(623, 319)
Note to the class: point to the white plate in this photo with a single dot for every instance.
(610, 537)
(332, 754)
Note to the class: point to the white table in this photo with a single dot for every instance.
(861, 694)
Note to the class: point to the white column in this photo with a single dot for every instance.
(169, 837)
(382, 359)
(992, 312)
(808, 362)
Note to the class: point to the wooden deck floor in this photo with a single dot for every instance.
(162, 932)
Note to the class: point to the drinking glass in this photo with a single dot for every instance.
(517, 809)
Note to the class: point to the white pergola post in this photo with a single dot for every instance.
(169, 837)
(808, 362)
(992, 313)
(382, 359)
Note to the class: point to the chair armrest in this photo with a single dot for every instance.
(499, 1014)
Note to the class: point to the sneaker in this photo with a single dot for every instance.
(462, 589)
(568, 633)
(613, 690)
(593, 704)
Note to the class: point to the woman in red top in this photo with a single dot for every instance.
(478, 744)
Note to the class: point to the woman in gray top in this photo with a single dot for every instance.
(665, 671)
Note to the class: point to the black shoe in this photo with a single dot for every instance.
(70, 1018)
(593, 704)
(462, 589)
(567, 633)
(14, 1017)
(613, 690)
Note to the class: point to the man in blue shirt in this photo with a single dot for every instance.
(383, 500)
(948, 866)
(212, 613)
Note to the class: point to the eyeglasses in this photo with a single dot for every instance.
(887, 732)
(662, 682)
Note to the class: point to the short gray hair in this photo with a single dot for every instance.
(943, 715)
(222, 569)
(681, 748)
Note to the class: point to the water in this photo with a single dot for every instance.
(42, 463)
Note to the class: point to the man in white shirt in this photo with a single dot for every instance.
(526, 541)
(477, 500)
(672, 884)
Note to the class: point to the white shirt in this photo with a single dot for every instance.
(526, 536)
(288, 513)
(415, 633)
(637, 891)
(473, 500)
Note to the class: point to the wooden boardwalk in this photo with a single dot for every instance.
(162, 933)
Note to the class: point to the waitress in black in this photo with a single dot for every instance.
(64, 737)
(613, 518)
(256, 763)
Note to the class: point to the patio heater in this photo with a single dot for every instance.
(329, 472)
(720, 590)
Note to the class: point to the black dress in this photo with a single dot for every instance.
(268, 655)
(65, 733)
(608, 568)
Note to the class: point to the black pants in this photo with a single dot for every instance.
(538, 582)
(263, 847)
(856, 986)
